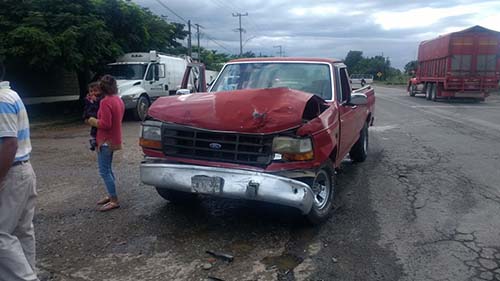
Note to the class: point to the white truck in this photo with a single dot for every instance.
(144, 77)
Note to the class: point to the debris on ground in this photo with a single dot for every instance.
(223, 256)
(206, 266)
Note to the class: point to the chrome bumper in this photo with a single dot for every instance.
(237, 184)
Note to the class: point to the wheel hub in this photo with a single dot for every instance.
(321, 189)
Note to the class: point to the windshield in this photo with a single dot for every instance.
(308, 77)
(127, 71)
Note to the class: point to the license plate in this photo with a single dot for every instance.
(206, 184)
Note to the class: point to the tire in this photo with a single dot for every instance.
(141, 108)
(177, 197)
(359, 150)
(413, 90)
(434, 92)
(428, 91)
(323, 186)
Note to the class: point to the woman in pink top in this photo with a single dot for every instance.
(109, 137)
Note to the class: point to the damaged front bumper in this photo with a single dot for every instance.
(229, 183)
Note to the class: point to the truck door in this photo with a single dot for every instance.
(155, 80)
(349, 131)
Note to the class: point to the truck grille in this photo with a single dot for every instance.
(187, 142)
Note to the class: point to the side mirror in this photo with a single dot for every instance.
(358, 99)
(183, 92)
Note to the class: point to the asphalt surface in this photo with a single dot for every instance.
(424, 206)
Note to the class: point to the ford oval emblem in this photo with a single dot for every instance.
(215, 145)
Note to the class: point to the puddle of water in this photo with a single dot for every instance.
(283, 262)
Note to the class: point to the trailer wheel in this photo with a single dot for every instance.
(141, 109)
(428, 91)
(413, 90)
(177, 197)
(434, 92)
(323, 187)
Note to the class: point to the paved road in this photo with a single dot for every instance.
(424, 206)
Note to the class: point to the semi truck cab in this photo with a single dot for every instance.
(144, 77)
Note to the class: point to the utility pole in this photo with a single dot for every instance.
(198, 40)
(241, 30)
(189, 38)
(281, 49)
(198, 37)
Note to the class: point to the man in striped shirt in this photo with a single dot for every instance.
(17, 189)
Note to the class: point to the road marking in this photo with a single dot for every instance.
(383, 128)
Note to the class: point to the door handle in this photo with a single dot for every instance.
(354, 106)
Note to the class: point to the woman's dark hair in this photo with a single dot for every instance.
(108, 85)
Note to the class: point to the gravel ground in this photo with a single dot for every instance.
(424, 206)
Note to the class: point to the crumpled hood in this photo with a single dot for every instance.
(247, 111)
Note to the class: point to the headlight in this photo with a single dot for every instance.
(291, 145)
(151, 135)
(293, 149)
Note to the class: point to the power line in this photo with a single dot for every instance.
(188, 22)
(217, 43)
(232, 6)
(172, 11)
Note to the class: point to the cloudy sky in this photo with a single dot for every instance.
(328, 28)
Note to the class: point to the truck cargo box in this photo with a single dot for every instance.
(464, 63)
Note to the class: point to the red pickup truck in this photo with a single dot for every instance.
(268, 129)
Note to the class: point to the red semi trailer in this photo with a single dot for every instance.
(463, 64)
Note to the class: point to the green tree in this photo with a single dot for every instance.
(352, 59)
(410, 67)
(79, 35)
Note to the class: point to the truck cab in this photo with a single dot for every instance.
(144, 77)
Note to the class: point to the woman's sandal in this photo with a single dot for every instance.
(103, 201)
(109, 206)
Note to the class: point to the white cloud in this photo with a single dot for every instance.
(479, 13)
(320, 10)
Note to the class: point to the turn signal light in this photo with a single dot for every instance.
(150, 143)
(298, 157)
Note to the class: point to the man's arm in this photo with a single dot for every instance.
(8, 148)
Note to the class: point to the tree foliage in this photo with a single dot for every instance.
(79, 35)
(353, 58)
(358, 64)
(411, 67)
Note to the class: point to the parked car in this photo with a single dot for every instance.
(144, 77)
(268, 129)
(463, 64)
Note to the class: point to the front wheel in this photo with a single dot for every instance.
(141, 109)
(323, 188)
